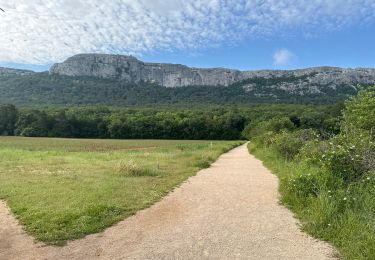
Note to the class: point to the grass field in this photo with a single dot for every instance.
(63, 189)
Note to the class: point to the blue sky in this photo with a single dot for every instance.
(353, 47)
(240, 34)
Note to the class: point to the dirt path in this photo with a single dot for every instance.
(229, 211)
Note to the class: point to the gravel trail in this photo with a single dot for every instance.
(228, 211)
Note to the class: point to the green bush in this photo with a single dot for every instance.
(312, 151)
(275, 125)
(350, 156)
(264, 140)
(360, 111)
(288, 144)
(328, 181)
(304, 185)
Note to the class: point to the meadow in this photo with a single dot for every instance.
(63, 189)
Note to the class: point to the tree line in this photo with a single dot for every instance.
(206, 123)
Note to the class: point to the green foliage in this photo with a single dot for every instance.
(350, 156)
(33, 123)
(8, 119)
(328, 179)
(360, 111)
(303, 186)
(289, 144)
(275, 125)
(42, 88)
(209, 123)
(312, 152)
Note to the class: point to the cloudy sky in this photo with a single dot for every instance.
(243, 34)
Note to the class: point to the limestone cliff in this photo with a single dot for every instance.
(175, 75)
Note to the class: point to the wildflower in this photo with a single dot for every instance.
(344, 198)
(368, 178)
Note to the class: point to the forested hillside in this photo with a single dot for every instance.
(41, 89)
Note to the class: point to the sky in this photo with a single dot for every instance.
(238, 34)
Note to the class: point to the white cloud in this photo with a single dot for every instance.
(283, 57)
(44, 31)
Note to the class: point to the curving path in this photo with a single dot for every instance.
(228, 211)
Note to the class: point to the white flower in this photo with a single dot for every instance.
(345, 198)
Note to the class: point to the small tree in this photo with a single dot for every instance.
(360, 111)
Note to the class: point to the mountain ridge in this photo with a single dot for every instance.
(131, 69)
(93, 79)
(7, 71)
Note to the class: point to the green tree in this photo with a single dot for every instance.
(360, 110)
(8, 119)
(33, 123)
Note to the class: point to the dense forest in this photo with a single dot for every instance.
(327, 180)
(222, 123)
(43, 89)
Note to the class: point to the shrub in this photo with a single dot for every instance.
(312, 152)
(303, 185)
(350, 156)
(275, 125)
(289, 144)
(360, 110)
(264, 140)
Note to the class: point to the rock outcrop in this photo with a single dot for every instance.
(175, 75)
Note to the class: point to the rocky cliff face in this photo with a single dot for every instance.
(131, 69)
(174, 75)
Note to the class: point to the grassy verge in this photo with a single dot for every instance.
(328, 209)
(63, 189)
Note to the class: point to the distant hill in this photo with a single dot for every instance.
(125, 81)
